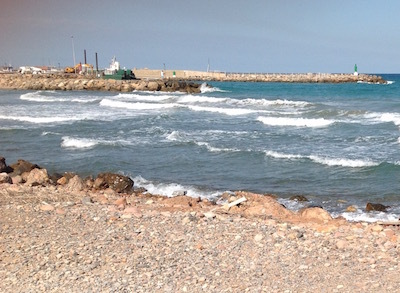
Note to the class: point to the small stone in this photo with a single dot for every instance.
(209, 215)
(301, 198)
(341, 244)
(351, 209)
(376, 228)
(120, 201)
(129, 271)
(60, 211)
(133, 211)
(87, 200)
(47, 207)
(258, 237)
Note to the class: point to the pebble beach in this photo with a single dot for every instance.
(75, 236)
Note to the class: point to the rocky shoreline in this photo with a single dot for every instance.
(261, 77)
(183, 83)
(67, 82)
(62, 233)
(296, 78)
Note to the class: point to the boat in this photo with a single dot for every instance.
(115, 72)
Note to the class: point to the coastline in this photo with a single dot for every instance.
(106, 237)
(67, 82)
(174, 81)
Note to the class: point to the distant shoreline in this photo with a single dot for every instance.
(172, 81)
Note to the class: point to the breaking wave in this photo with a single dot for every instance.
(297, 122)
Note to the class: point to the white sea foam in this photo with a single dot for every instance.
(215, 149)
(135, 106)
(174, 136)
(171, 189)
(39, 97)
(143, 97)
(79, 100)
(44, 133)
(361, 216)
(204, 88)
(297, 122)
(384, 117)
(264, 102)
(278, 155)
(226, 111)
(200, 99)
(343, 162)
(78, 143)
(39, 120)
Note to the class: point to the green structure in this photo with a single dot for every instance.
(121, 74)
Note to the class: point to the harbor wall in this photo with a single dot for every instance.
(88, 82)
(257, 77)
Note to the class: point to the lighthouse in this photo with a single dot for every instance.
(355, 70)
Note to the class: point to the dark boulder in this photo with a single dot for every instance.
(23, 166)
(4, 167)
(376, 207)
(117, 182)
(298, 198)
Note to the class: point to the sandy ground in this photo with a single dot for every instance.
(56, 240)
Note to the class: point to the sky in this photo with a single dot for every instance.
(281, 36)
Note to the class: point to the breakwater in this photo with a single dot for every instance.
(259, 77)
(81, 82)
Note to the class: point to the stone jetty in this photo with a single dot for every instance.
(260, 77)
(82, 82)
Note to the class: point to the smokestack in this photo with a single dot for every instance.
(84, 54)
(97, 63)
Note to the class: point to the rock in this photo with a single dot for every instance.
(133, 211)
(120, 201)
(5, 178)
(47, 207)
(351, 209)
(315, 213)
(4, 167)
(153, 86)
(22, 166)
(17, 179)
(209, 215)
(341, 244)
(86, 200)
(75, 184)
(376, 207)
(258, 237)
(298, 198)
(62, 181)
(53, 178)
(119, 183)
(37, 177)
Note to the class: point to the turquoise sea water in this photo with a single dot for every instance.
(337, 144)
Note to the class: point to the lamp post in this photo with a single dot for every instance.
(73, 51)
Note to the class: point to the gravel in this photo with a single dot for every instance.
(52, 241)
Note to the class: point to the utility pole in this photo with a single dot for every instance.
(73, 51)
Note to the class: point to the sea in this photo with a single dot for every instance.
(336, 144)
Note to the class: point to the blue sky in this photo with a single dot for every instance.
(235, 36)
